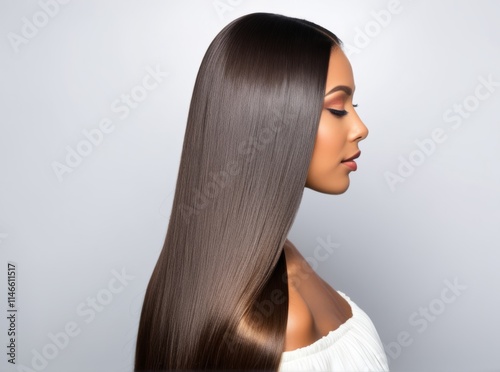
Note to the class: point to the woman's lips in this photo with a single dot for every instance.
(350, 163)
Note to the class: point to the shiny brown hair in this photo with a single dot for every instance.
(218, 295)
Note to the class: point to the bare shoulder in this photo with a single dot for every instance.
(300, 325)
(314, 308)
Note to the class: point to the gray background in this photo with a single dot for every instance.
(395, 248)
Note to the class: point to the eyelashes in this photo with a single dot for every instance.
(339, 113)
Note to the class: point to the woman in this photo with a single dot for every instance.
(271, 113)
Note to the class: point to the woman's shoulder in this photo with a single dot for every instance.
(300, 325)
(314, 307)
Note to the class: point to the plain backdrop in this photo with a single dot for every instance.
(415, 236)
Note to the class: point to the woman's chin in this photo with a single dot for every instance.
(336, 187)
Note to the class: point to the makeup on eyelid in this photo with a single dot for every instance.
(340, 112)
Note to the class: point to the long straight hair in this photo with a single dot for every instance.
(218, 295)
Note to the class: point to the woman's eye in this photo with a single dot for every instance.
(340, 112)
(337, 112)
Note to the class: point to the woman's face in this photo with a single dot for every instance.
(339, 132)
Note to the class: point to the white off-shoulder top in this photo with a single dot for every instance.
(354, 346)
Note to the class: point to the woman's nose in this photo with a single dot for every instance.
(359, 129)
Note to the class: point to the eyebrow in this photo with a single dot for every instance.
(343, 88)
